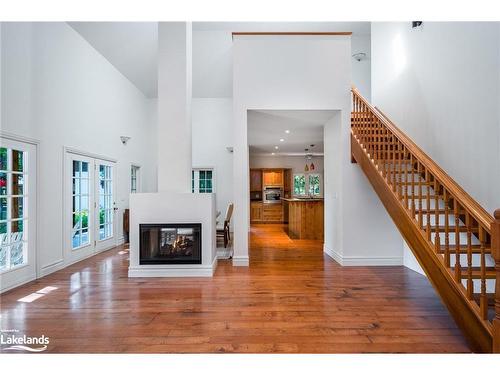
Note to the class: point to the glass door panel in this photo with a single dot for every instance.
(17, 212)
(105, 215)
(81, 204)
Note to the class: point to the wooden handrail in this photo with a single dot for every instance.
(419, 192)
(462, 196)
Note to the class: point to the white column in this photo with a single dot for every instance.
(174, 106)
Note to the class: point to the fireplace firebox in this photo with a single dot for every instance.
(170, 243)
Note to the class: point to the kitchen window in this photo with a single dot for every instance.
(307, 184)
(203, 180)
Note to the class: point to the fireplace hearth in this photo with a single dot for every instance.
(170, 243)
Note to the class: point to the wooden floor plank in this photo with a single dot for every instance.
(292, 299)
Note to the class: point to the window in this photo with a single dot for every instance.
(105, 202)
(299, 184)
(314, 184)
(13, 218)
(307, 184)
(81, 195)
(202, 181)
(134, 179)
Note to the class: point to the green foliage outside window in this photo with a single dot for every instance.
(299, 184)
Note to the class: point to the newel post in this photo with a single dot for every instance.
(495, 251)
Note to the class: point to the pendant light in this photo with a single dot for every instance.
(309, 156)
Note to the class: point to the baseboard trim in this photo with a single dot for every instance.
(333, 254)
(353, 261)
(195, 270)
(51, 268)
(241, 261)
(17, 284)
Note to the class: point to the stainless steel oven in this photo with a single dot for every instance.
(272, 195)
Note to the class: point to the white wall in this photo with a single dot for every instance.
(304, 72)
(212, 133)
(57, 89)
(361, 70)
(440, 85)
(213, 65)
(174, 106)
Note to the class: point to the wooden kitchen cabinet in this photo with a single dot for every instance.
(272, 177)
(256, 211)
(255, 179)
(272, 212)
(287, 183)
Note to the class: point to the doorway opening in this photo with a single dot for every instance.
(286, 183)
(90, 191)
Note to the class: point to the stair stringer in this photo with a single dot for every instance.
(467, 316)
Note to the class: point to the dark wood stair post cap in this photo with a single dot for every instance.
(496, 214)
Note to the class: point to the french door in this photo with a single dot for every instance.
(89, 205)
(18, 179)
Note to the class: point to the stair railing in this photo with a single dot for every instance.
(453, 223)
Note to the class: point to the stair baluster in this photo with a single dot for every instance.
(495, 251)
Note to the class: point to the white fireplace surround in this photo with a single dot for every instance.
(174, 208)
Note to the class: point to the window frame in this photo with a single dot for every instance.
(307, 186)
(9, 197)
(195, 178)
(138, 186)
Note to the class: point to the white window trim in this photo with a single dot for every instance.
(214, 178)
(138, 179)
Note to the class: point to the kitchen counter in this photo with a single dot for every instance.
(303, 199)
(305, 218)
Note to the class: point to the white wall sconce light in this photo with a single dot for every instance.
(124, 139)
(359, 56)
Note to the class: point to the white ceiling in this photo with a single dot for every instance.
(267, 127)
(132, 47)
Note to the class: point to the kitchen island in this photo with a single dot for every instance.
(305, 218)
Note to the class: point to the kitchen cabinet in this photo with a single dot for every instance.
(256, 211)
(272, 212)
(287, 183)
(255, 179)
(272, 177)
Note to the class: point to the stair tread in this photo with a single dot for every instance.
(463, 249)
(476, 272)
(451, 228)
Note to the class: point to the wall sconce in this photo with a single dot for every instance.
(124, 139)
(359, 56)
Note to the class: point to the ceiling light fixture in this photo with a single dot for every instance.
(272, 153)
(359, 56)
(276, 147)
(287, 131)
(282, 140)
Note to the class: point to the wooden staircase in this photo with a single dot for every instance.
(454, 239)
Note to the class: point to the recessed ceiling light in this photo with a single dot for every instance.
(287, 131)
(272, 153)
(282, 140)
(276, 147)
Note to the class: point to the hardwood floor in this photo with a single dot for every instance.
(292, 299)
